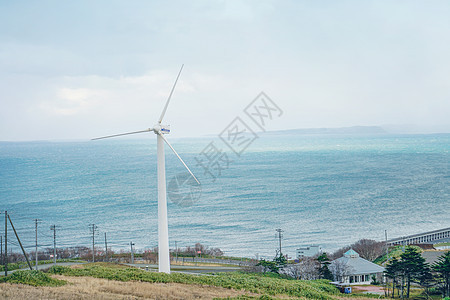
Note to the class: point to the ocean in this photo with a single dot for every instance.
(328, 190)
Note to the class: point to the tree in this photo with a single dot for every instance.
(366, 248)
(426, 280)
(369, 249)
(308, 269)
(340, 252)
(268, 265)
(281, 261)
(324, 271)
(442, 267)
(214, 252)
(200, 249)
(413, 267)
(393, 272)
(340, 270)
(278, 262)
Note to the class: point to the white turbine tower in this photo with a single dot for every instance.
(163, 229)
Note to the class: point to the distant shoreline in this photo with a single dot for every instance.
(320, 131)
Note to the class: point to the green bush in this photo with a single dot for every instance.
(34, 278)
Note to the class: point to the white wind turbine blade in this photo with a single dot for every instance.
(120, 134)
(168, 144)
(170, 96)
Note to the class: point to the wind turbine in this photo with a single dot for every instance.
(163, 230)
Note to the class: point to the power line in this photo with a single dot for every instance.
(93, 228)
(34, 246)
(45, 235)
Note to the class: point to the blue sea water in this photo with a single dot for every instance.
(329, 190)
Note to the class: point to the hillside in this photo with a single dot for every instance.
(110, 281)
(358, 130)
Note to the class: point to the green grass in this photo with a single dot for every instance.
(441, 244)
(245, 297)
(254, 283)
(394, 252)
(34, 278)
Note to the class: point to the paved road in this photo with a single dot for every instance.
(233, 266)
(188, 269)
(214, 260)
(152, 268)
(432, 256)
(45, 266)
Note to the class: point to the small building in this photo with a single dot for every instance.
(352, 269)
(308, 251)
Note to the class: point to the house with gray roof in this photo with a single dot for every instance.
(352, 269)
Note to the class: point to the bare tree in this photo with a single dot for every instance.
(150, 256)
(339, 253)
(309, 268)
(291, 271)
(366, 248)
(369, 249)
(306, 269)
(214, 252)
(340, 270)
(200, 249)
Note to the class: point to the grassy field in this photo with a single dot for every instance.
(95, 288)
(251, 283)
(112, 281)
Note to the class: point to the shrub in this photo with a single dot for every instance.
(34, 278)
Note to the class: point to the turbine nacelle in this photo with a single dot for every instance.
(160, 128)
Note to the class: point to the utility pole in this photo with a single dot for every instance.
(279, 231)
(387, 247)
(93, 228)
(386, 290)
(20, 243)
(176, 252)
(132, 254)
(36, 226)
(53, 227)
(1, 249)
(106, 249)
(6, 243)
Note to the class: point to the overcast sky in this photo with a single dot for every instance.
(80, 69)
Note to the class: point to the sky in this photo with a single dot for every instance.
(81, 69)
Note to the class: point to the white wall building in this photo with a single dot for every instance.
(352, 269)
(308, 251)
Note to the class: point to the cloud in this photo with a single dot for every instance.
(69, 69)
(85, 106)
(71, 101)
